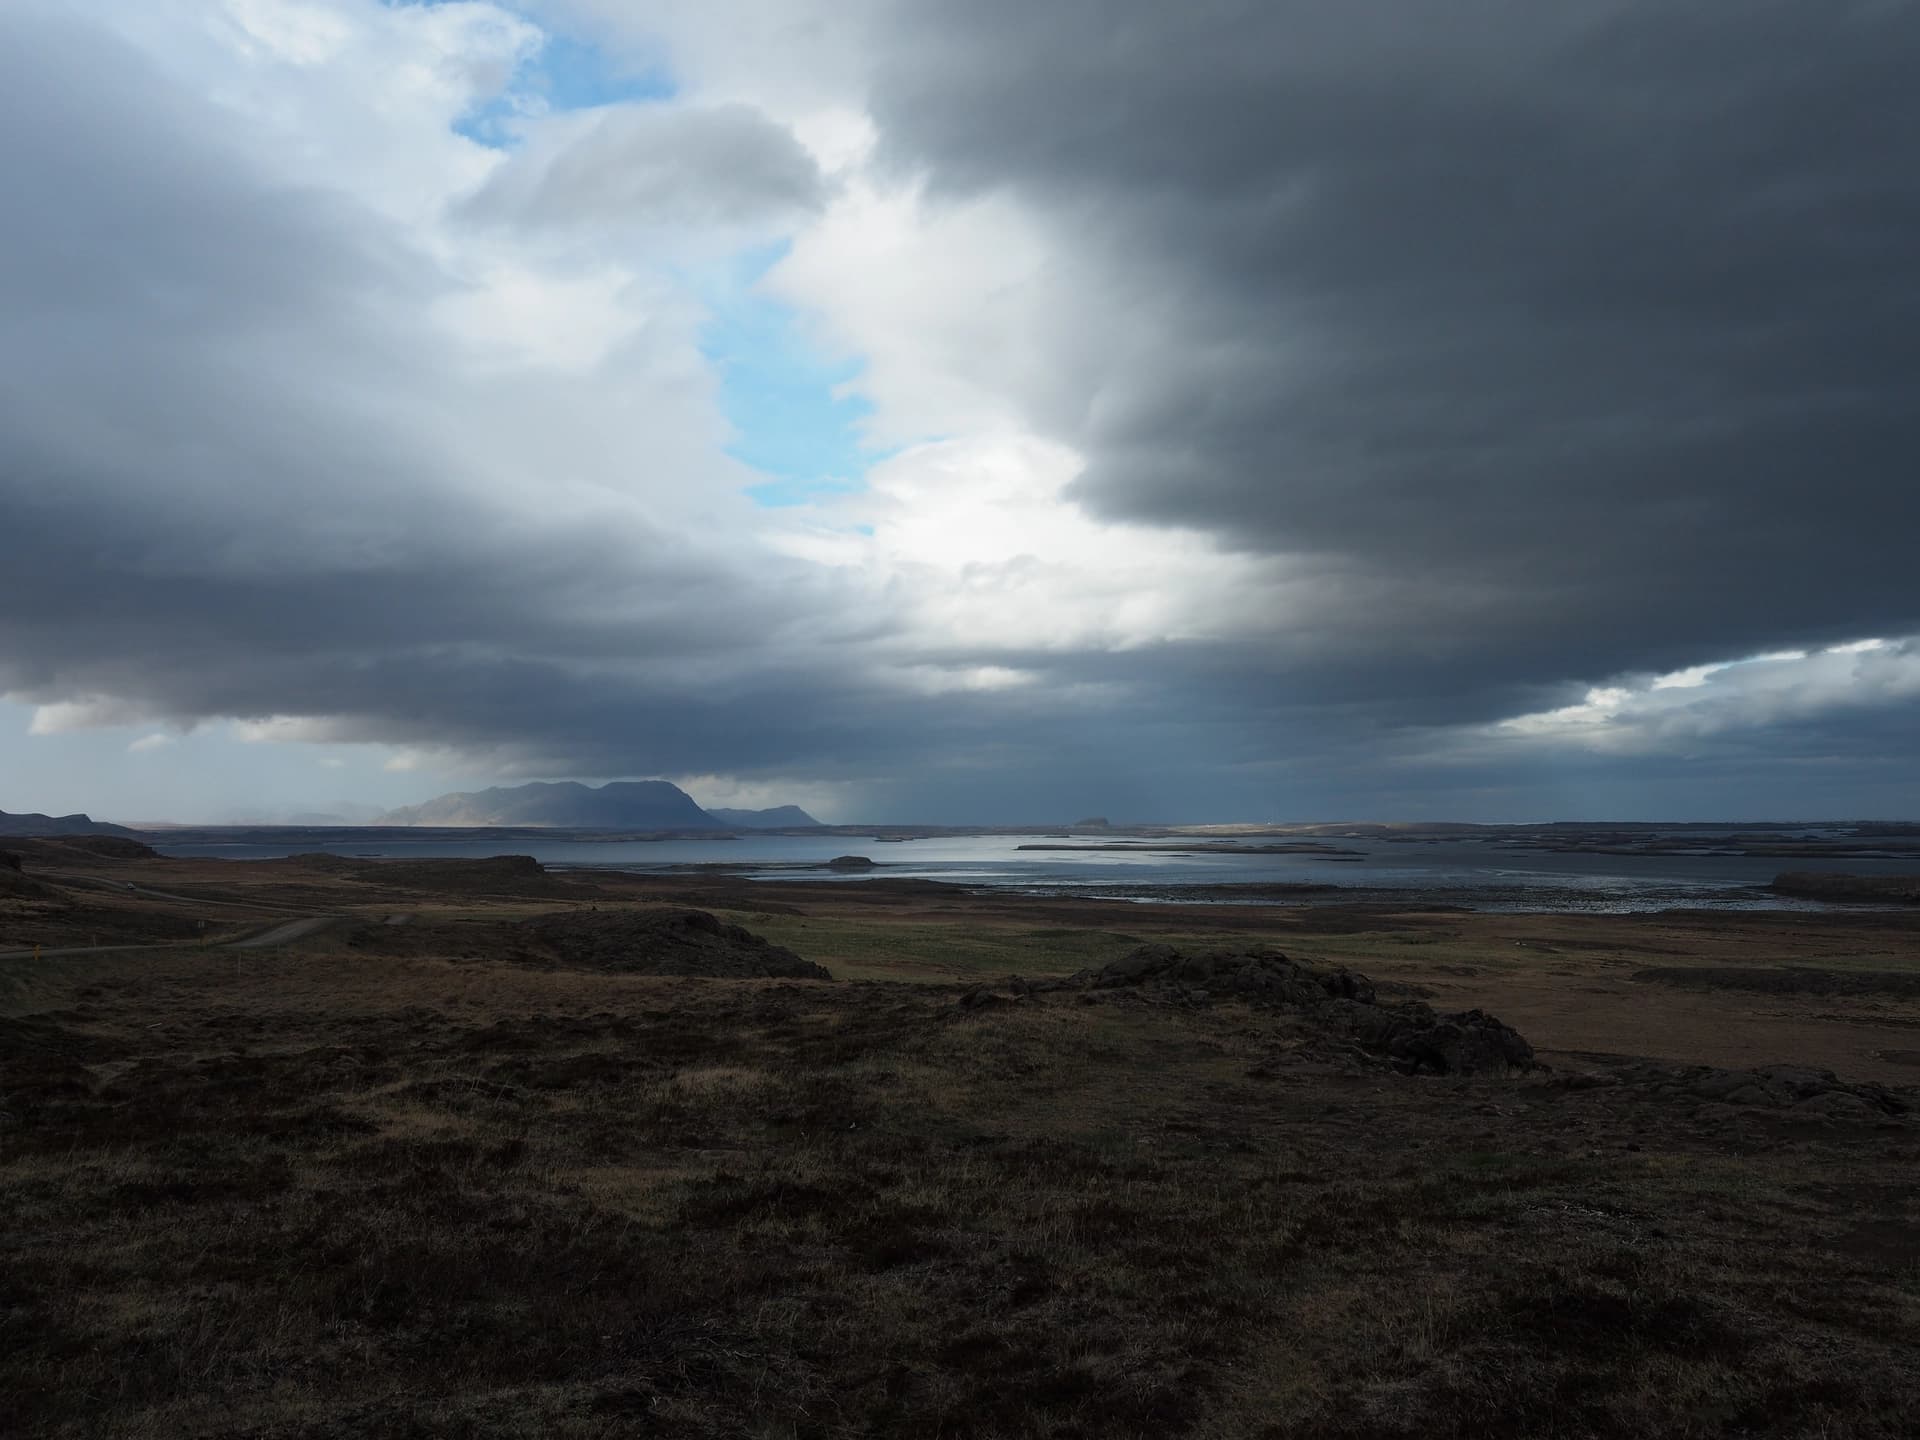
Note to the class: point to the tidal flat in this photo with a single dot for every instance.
(457, 1161)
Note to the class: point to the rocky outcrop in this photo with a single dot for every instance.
(666, 942)
(1410, 1036)
(13, 880)
(1419, 1040)
(851, 862)
(1800, 1091)
(1253, 975)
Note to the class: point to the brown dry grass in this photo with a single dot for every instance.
(412, 1187)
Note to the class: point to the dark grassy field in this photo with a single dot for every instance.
(429, 1179)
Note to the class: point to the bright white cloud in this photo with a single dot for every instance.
(974, 545)
(288, 730)
(98, 712)
(1601, 708)
(353, 96)
(1689, 679)
(514, 316)
(943, 303)
(1670, 713)
(298, 34)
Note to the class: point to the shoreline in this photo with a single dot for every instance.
(1488, 899)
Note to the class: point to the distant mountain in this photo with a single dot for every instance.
(568, 805)
(781, 817)
(37, 824)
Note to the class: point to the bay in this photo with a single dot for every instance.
(1476, 873)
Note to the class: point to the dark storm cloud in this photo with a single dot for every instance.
(1563, 340)
(1546, 343)
(239, 479)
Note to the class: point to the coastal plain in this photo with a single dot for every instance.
(331, 1147)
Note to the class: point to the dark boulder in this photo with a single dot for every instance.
(1343, 1003)
(1254, 975)
(1419, 1041)
(980, 997)
(1800, 1090)
(667, 942)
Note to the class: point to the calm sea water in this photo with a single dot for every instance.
(1471, 873)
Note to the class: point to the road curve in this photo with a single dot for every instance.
(127, 887)
(281, 934)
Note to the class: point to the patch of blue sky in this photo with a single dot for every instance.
(794, 407)
(567, 72)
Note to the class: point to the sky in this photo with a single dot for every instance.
(963, 413)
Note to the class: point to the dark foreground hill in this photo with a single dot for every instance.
(620, 805)
(670, 942)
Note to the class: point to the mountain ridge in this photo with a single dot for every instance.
(779, 817)
(563, 804)
(34, 823)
